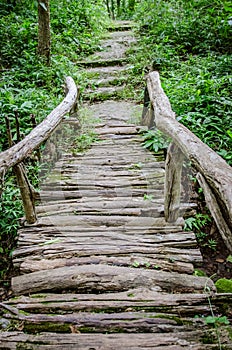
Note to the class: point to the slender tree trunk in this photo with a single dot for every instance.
(44, 35)
(118, 7)
(112, 9)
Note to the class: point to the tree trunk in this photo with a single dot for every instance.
(112, 9)
(44, 35)
(118, 8)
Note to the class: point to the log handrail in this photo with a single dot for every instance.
(40, 133)
(17, 153)
(215, 171)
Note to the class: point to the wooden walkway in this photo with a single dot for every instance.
(102, 269)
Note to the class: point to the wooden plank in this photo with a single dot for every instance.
(184, 305)
(100, 278)
(126, 322)
(38, 264)
(159, 341)
(170, 259)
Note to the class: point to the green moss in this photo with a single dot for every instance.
(175, 318)
(47, 327)
(35, 296)
(224, 285)
(200, 273)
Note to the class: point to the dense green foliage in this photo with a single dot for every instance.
(189, 43)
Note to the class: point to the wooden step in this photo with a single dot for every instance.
(133, 300)
(104, 278)
(196, 340)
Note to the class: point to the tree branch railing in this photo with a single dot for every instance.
(214, 174)
(13, 156)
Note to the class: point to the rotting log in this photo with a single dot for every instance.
(21, 150)
(217, 173)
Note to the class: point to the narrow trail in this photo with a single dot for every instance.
(102, 269)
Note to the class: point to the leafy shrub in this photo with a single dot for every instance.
(155, 140)
(190, 26)
(189, 43)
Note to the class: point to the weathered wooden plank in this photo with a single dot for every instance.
(126, 322)
(104, 204)
(68, 251)
(169, 260)
(35, 264)
(105, 220)
(123, 130)
(75, 165)
(99, 237)
(184, 305)
(101, 278)
(159, 341)
(96, 183)
(106, 193)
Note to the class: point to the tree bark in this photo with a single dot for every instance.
(44, 34)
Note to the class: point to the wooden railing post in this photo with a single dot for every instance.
(27, 193)
(148, 118)
(172, 190)
(26, 190)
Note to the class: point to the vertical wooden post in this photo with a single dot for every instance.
(148, 118)
(17, 126)
(34, 124)
(173, 170)
(27, 193)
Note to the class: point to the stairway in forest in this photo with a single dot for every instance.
(101, 269)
